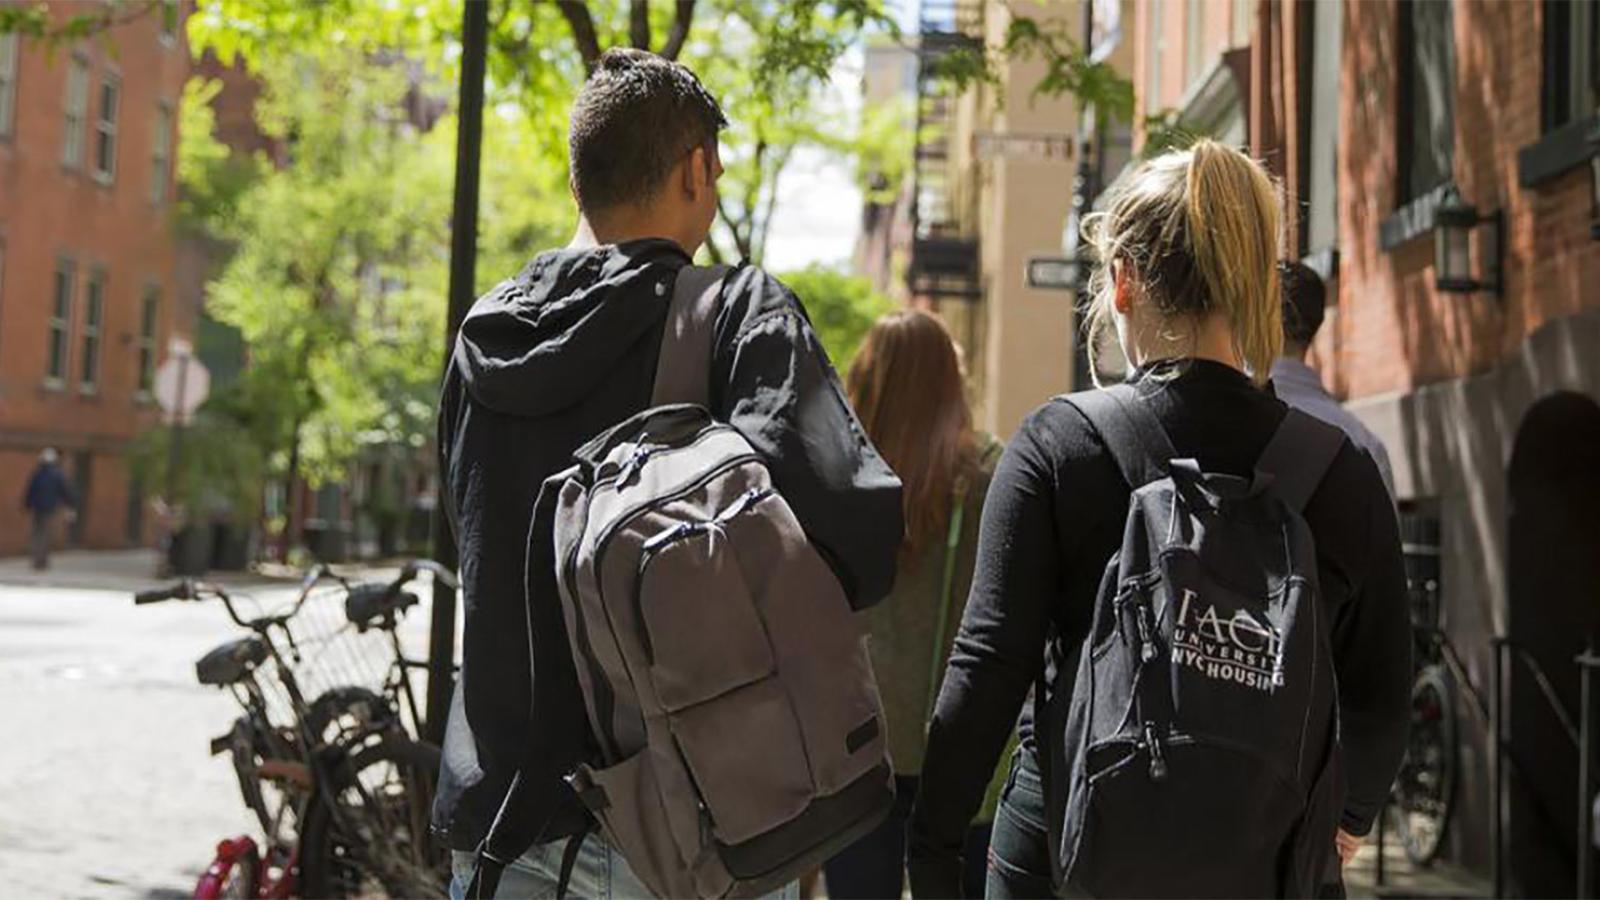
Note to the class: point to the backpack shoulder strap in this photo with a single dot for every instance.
(683, 370)
(1131, 431)
(1298, 455)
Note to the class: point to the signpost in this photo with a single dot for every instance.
(1053, 273)
(182, 383)
(463, 265)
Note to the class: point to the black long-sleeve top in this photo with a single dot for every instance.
(1053, 518)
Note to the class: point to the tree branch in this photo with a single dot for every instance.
(736, 227)
(762, 225)
(576, 12)
(639, 23)
(680, 29)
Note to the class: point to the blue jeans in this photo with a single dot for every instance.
(1019, 849)
(600, 873)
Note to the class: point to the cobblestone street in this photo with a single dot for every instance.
(108, 786)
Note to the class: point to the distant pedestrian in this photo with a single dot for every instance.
(1299, 385)
(48, 493)
(907, 390)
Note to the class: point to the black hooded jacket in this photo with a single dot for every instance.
(547, 360)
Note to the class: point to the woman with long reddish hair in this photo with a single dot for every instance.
(907, 388)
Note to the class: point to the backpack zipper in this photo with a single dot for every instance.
(605, 697)
(605, 539)
(682, 531)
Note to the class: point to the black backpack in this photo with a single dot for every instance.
(1200, 742)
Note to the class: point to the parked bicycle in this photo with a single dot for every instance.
(1423, 797)
(339, 784)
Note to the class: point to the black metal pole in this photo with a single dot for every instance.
(1497, 767)
(1380, 870)
(1586, 664)
(463, 266)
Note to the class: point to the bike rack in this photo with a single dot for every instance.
(1506, 653)
(1587, 662)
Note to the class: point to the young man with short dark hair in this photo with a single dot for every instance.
(1299, 385)
(563, 351)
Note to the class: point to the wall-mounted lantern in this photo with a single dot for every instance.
(1453, 223)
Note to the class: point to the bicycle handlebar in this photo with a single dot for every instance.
(181, 590)
(416, 566)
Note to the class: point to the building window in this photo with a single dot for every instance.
(149, 309)
(94, 310)
(60, 323)
(1426, 111)
(77, 113)
(170, 16)
(1155, 46)
(1322, 181)
(1194, 29)
(105, 129)
(1571, 61)
(161, 153)
(8, 82)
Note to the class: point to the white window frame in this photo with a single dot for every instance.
(1322, 181)
(1155, 48)
(105, 128)
(1241, 24)
(94, 324)
(59, 324)
(10, 49)
(149, 324)
(1194, 46)
(75, 109)
(161, 154)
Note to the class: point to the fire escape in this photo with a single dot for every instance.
(944, 260)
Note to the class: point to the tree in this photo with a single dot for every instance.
(766, 60)
(842, 309)
(339, 257)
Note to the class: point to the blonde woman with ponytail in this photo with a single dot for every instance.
(1188, 281)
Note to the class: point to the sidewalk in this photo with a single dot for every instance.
(107, 570)
(1402, 879)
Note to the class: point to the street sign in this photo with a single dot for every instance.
(181, 383)
(987, 145)
(1052, 273)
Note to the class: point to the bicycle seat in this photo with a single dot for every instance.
(231, 662)
(368, 604)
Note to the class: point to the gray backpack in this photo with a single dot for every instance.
(725, 676)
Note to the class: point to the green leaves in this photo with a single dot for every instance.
(1068, 69)
(842, 309)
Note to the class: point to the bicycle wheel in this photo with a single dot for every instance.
(1424, 792)
(273, 780)
(367, 833)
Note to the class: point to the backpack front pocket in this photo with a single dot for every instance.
(746, 756)
(701, 631)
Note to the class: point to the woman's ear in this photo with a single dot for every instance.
(1122, 288)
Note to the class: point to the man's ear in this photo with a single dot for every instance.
(694, 173)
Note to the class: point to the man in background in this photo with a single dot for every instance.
(1299, 385)
(48, 492)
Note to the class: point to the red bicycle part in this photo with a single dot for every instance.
(237, 858)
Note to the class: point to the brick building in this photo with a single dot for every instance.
(1377, 115)
(89, 293)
